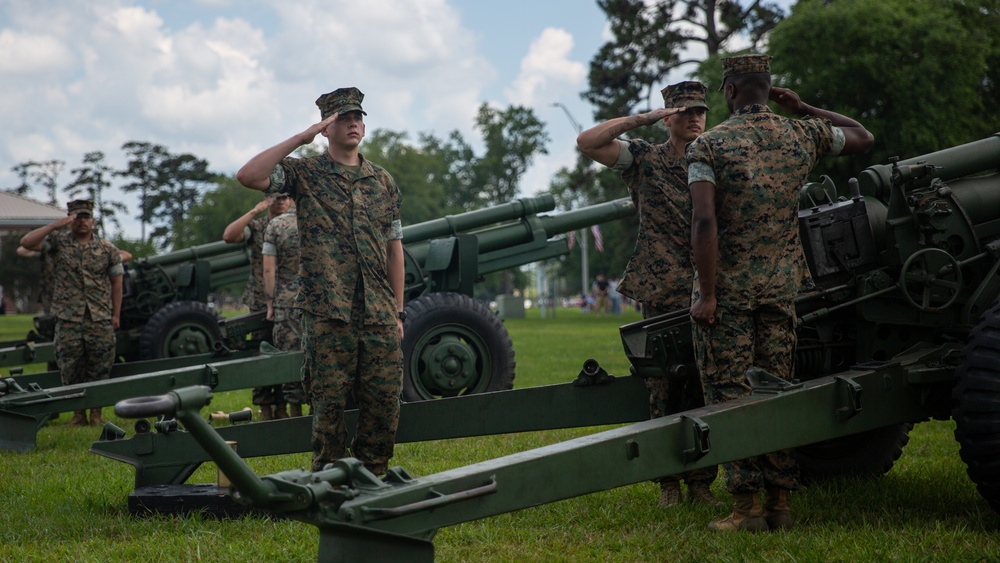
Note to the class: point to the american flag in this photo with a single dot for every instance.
(598, 239)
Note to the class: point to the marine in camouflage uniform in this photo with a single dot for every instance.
(745, 176)
(86, 297)
(660, 271)
(350, 276)
(281, 280)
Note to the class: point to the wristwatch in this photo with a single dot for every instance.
(402, 316)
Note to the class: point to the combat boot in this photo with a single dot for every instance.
(778, 509)
(294, 409)
(280, 411)
(266, 413)
(95, 417)
(670, 494)
(79, 419)
(747, 515)
(701, 493)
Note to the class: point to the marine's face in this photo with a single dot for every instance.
(347, 130)
(280, 204)
(688, 124)
(82, 224)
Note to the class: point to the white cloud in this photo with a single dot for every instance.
(547, 71)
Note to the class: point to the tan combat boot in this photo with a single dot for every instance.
(747, 515)
(79, 419)
(294, 409)
(95, 417)
(778, 509)
(266, 413)
(280, 411)
(670, 494)
(701, 493)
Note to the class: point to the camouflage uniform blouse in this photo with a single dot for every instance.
(659, 272)
(281, 240)
(253, 237)
(758, 161)
(344, 225)
(81, 276)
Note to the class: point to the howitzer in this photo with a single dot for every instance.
(904, 278)
(454, 344)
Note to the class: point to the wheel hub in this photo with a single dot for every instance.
(450, 364)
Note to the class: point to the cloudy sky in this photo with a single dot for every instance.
(224, 79)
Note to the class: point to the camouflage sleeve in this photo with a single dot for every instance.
(700, 162)
(829, 138)
(278, 179)
(270, 249)
(115, 267)
(396, 225)
(700, 172)
(839, 140)
(625, 158)
(270, 245)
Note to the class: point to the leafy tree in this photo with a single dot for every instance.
(90, 182)
(648, 39)
(215, 209)
(921, 75)
(512, 137)
(422, 172)
(179, 181)
(144, 161)
(44, 174)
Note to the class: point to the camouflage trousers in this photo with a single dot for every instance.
(287, 335)
(660, 405)
(85, 350)
(740, 339)
(366, 361)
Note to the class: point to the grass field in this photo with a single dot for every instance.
(62, 503)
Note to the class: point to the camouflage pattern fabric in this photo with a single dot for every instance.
(757, 161)
(81, 302)
(659, 406)
(349, 310)
(344, 225)
(281, 240)
(724, 351)
(85, 350)
(253, 237)
(365, 361)
(81, 276)
(659, 272)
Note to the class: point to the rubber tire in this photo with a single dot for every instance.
(197, 318)
(976, 406)
(454, 315)
(867, 454)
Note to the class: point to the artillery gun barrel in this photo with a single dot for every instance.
(950, 163)
(512, 234)
(192, 254)
(453, 224)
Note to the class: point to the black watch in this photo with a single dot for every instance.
(402, 316)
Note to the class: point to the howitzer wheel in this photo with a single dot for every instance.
(976, 400)
(181, 328)
(867, 454)
(454, 345)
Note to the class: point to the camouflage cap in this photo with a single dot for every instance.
(339, 101)
(80, 206)
(745, 64)
(688, 94)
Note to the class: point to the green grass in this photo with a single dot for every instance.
(62, 503)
